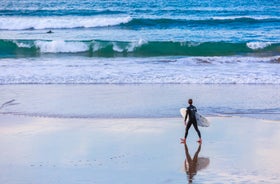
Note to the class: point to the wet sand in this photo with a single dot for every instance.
(140, 101)
(136, 150)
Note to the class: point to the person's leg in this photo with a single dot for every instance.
(197, 130)
(187, 129)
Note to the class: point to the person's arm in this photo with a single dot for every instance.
(185, 121)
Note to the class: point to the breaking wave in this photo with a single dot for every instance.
(140, 48)
(59, 22)
(73, 21)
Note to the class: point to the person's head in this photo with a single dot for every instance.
(190, 101)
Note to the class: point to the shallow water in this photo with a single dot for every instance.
(135, 150)
(141, 101)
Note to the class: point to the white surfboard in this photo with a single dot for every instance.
(201, 120)
(202, 163)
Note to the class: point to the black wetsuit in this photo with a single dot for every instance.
(192, 120)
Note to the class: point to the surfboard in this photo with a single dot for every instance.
(201, 120)
(202, 163)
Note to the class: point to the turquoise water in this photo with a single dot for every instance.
(122, 40)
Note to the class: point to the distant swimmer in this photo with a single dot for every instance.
(191, 110)
(50, 31)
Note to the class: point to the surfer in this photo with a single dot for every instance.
(191, 109)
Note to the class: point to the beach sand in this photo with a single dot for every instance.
(136, 150)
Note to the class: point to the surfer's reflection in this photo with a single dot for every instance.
(192, 165)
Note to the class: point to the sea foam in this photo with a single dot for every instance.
(60, 46)
(66, 22)
(258, 45)
(187, 70)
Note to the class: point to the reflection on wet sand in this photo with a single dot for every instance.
(192, 165)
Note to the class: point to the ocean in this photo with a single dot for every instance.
(133, 42)
(137, 41)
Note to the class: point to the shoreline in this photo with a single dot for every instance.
(131, 118)
(137, 150)
(141, 100)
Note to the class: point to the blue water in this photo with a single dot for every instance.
(137, 41)
(180, 20)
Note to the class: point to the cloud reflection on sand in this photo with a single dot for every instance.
(242, 150)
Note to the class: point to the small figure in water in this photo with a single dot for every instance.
(50, 31)
(191, 110)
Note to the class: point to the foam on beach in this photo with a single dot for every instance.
(72, 69)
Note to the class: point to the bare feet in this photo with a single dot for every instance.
(183, 141)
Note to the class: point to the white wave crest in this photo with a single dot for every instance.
(66, 22)
(60, 46)
(22, 45)
(128, 47)
(131, 47)
(258, 45)
(118, 46)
